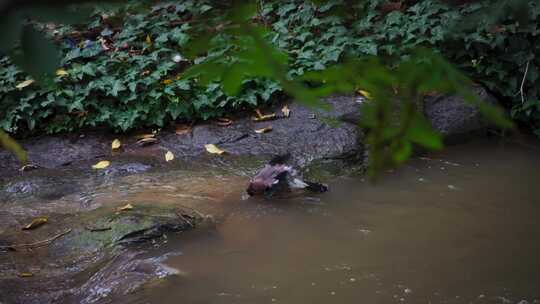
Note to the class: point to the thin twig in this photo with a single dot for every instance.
(523, 82)
(37, 244)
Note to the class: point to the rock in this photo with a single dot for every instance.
(125, 169)
(125, 273)
(42, 186)
(94, 259)
(456, 119)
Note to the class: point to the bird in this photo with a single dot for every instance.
(277, 176)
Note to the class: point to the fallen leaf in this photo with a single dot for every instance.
(38, 221)
(102, 164)
(142, 136)
(265, 117)
(167, 81)
(28, 167)
(366, 94)
(224, 121)
(145, 72)
(148, 40)
(211, 148)
(26, 274)
(125, 208)
(24, 84)
(116, 144)
(147, 141)
(264, 130)
(61, 72)
(169, 156)
(104, 44)
(182, 129)
(286, 111)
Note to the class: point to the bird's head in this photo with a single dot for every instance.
(256, 187)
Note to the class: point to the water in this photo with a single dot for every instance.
(460, 226)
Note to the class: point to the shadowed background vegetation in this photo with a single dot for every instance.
(139, 64)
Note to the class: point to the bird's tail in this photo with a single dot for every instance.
(316, 187)
(279, 159)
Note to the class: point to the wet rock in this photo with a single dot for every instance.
(456, 119)
(123, 274)
(44, 187)
(125, 169)
(95, 259)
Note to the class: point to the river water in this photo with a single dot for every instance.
(458, 226)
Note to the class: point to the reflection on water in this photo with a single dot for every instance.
(461, 226)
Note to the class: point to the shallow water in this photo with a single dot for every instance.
(460, 226)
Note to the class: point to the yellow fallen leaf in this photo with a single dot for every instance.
(142, 136)
(286, 111)
(265, 117)
(102, 164)
(125, 208)
(24, 84)
(61, 72)
(169, 156)
(116, 144)
(167, 81)
(38, 221)
(148, 40)
(211, 148)
(147, 141)
(28, 167)
(264, 130)
(26, 274)
(366, 94)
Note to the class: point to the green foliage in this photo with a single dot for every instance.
(136, 83)
(133, 67)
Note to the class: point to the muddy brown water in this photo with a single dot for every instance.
(459, 226)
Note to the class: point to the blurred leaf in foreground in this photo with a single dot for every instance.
(11, 145)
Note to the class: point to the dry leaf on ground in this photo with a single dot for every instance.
(264, 130)
(224, 121)
(116, 144)
(26, 274)
(147, 141)
(28, 167)
(38, 221)
(182, 129)
(102, 164)
(265, 117)
(125, 208)
(169, 156)
(366, 94)
(286, 111)
(24, 84)
(143, 136)
(211, 148)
